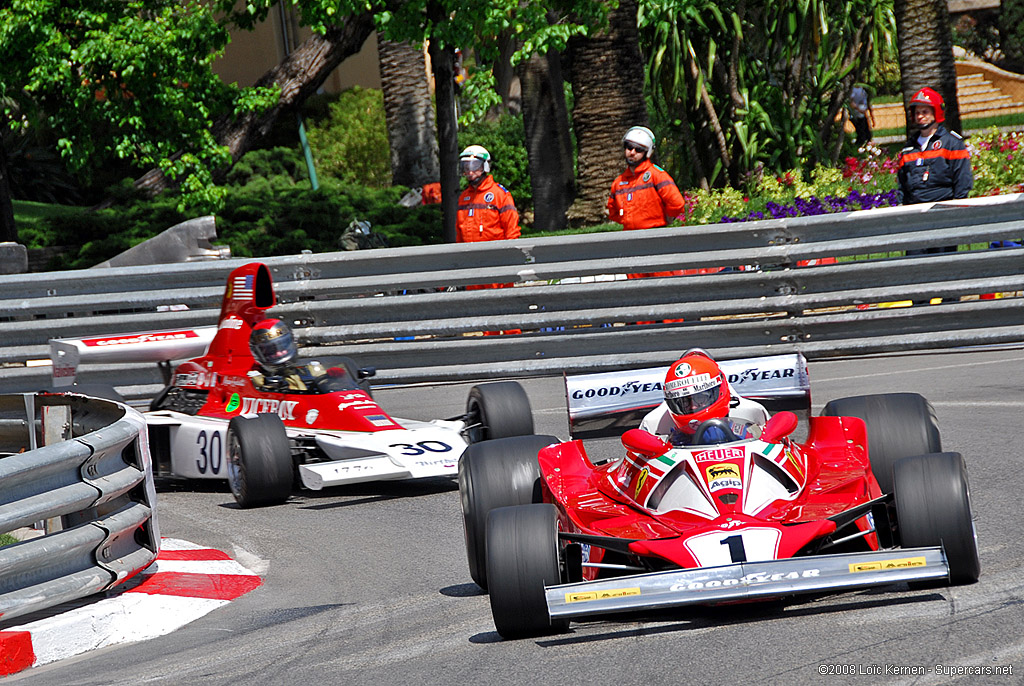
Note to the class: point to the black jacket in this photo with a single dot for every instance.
(942, 171)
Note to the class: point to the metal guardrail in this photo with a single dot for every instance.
(83, 466)
(403, 311)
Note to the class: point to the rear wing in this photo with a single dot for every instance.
(248, 294)
(609, 403)
(152, 346)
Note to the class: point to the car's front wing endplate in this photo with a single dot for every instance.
(746, 581)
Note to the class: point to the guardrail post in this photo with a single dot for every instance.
(56, 428)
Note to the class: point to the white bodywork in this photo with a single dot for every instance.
(198, 450)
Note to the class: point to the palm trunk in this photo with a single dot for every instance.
(410, 114)
(8, 231)
(926, 53)
(548, 146)
(607, 82)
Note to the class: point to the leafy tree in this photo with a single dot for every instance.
(122, 82)
(739, 85)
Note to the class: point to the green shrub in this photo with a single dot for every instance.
(349, 138)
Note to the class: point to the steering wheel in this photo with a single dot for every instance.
(714, 423)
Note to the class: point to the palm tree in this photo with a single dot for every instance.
(409, 113)
(926, 52)
(607, 85)
(548, 145)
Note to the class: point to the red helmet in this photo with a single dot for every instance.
(931, 98)
(272, 343)
(695, 390)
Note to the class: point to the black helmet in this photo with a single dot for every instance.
(272, 343)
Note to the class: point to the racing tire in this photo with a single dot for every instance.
(898, 425)
(260, 469)
(522, 558)
(498, 410)
(496, 474)
(933, 507)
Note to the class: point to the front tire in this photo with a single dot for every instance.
(522, 558)
(933, 507)
(259, 460)
(498, 410)
(496, 474)
(899, 425)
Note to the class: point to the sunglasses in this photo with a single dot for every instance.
(634, 147)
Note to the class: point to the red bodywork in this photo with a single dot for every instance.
(223, 372)
(825, 476)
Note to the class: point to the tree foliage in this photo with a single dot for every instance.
(127, 82)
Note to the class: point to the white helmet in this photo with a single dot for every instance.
(640, 135)
(475, 152)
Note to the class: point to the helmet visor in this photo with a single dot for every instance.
(692, 404)
(470, 164)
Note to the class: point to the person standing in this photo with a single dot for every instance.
(487, 211)
(860, 112)
(935, 163)
(644, 196)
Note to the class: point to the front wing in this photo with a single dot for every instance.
(745, 581)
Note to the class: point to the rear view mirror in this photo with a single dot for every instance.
(779, 426)
(645, 443)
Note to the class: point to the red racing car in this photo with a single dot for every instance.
(868, 498)
(220, 417)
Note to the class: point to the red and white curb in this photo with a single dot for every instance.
(185, 582)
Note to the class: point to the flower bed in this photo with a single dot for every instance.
(997, 161)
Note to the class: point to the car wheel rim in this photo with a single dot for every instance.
(234, 465)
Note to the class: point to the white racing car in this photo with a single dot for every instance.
(213, 422)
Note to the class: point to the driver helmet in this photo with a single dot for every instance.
(475, 158)
(695, 390)
(272, 344)
(931, 98)
(642, 136)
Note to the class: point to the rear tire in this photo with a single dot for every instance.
(259, 460)
(498, 410)
(523, 558)
(933, 507)
(496, 474)
(899, 425)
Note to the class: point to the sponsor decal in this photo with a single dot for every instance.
(311, 416)
(755, 374)
(283, 408)
(683, 370)
(231, 322)
(139, 338)
(63, 371)
(488, 197)
(241, 287)
(200, 379)
(719, 484)
(234, 381)
(882, 565)
(628, 388)
(691, 385)
(718, 454)
(379, 420)
(723, 470)
(587, 596)
(641, 479)
(936, 145)
(354, 399)
(233, 403)
(751, 579)
(793, 461)
(647, 176)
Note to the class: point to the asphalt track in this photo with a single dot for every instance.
(369, 584)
